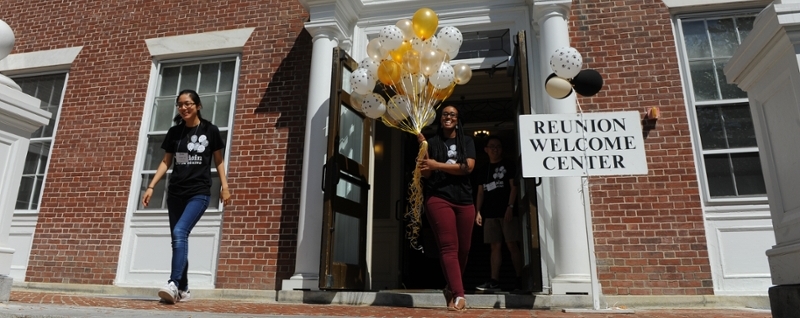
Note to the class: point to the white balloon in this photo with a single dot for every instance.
(356, 100)
(566, 62)
(373, 106)
(371, 65)
(361, 81)
(443, 77)
(419, 45)
(407, 27)
(391, 37)
(450, 38)
(451, 53)
(398, 107)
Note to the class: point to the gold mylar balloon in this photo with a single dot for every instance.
(442, 94)
(425, 23)
(389, 72)
(558, 87)
(399, 53)
(430, 60)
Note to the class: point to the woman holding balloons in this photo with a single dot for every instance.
(448, 199)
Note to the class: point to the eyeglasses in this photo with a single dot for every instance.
(184, 105)
(453, 115)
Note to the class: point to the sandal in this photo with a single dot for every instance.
(459, 304)
(448, 296)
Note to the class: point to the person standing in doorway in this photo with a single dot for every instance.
(190, 145)
(496, 196)
(448, 200)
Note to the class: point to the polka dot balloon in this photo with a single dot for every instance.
(361, 81)
(373, 106)
(450, 39)
(443, 77)
(391, 37)
(566, 62)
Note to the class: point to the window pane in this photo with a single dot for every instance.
(745, 25)
(718, 174)
(739, 126)
(154, 152)
(26, 185)
(37, 191)
(703, 80)
(169, 81)
(215, 188)
(158, 200)
(223, 110)
(164, 110)
(712, 133)
(696, 39)
(346, 80)
(747, 170)
(351, 134)
(723, 35)
(348, 190)
(728, 91)
(346, 239)
(189, 75)
(227, 72)
(208, 78)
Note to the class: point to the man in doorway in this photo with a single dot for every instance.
(496, 198)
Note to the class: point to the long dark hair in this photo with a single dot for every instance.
(437, 148)
(197, 103)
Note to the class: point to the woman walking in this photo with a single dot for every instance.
(448, 200)
(190, 146)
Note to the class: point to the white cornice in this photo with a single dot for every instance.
(21, 112)
(216, 42)
(40, 61)
(776, 24)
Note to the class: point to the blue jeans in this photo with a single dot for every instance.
(183, 215)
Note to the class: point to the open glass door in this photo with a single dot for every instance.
(343, 262)
(528, 201)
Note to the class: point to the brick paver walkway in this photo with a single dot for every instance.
(255, 308)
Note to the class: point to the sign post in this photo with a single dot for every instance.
(583, 144)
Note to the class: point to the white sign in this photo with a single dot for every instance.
(594, 144)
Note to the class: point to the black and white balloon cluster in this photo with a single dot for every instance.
(567, 75)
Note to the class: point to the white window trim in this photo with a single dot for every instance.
(691, 108)
(198, 44)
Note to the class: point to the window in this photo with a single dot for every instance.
(214, 81)
(721, 112)
(48, 89)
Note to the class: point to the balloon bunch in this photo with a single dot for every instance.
(566, 63)
(412, 66)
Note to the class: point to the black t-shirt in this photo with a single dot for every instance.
(496, 179)
(192, 149)
(455, 189)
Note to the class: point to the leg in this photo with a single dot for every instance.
(195, 207)
(496, 259)
(465, 219)
(443, 222)
(493, 235)
(513, 235)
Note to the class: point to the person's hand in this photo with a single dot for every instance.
(509, 214)
(478, 219)
(420, 137)
(146, 197)
(225, 195)
(426, 164)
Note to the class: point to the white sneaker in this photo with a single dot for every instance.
(184, 295)
(169, 293)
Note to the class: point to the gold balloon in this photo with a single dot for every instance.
(389, 72)
(463, 73)
(430, 60)
(399, 54)
(440, 94)
(425, 23)
(558, 87)
(407, 27)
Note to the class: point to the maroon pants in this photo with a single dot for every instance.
(452, 227)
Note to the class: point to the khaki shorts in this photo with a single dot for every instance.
(495, 229)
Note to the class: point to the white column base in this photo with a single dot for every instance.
(301, 282)
(6, 253)
(571, 284)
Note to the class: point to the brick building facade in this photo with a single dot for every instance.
(652, 233)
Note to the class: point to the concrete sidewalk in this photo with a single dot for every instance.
(30, 304)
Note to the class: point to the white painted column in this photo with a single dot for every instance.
(309, 227)
(570, 247)
(20, 116)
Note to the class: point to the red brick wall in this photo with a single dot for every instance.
(84, 203)
(649, 231)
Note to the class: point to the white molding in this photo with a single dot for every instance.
(199, 44)
(20, 112)
(40, 61)
(690, 6)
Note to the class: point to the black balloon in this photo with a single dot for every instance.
(587, 83)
